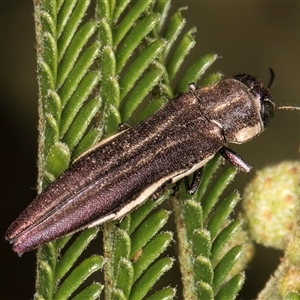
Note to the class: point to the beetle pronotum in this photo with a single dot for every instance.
(121, 172)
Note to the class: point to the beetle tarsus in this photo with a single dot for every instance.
(123, 126)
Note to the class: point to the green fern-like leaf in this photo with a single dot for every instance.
(93, 75)
(207, 263)
(68, 103)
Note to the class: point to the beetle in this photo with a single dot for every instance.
(122, 171)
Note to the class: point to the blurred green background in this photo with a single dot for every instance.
(250, 37)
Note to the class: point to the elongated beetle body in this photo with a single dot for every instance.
(121, 172)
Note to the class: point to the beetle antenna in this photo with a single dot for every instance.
(272, 79)
(284, 107)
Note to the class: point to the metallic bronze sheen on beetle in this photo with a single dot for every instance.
(120, 173)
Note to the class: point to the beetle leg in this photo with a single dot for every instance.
(158, 192)
(235, 159)
(123, 126)
(197, 177)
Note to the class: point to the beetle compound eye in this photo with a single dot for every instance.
(267, 111)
